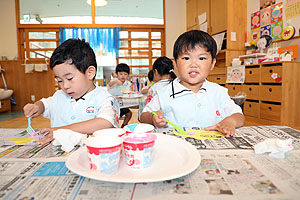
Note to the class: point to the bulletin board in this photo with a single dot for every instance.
(272, 17)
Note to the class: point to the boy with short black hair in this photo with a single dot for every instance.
(80, 105)
(117, 87)
(191, 100)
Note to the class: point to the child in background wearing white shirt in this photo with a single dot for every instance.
(145, 89)
(116, 88)
(191, 100)
(163, 71)
(80, 105)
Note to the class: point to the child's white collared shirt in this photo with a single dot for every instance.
(63, 110)
(210, 105)
(116, 89)
(158, 85)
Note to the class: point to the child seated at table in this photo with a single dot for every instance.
(191, 100)
(79, 105)
(117, 87)
(163, 71)
(145, 89)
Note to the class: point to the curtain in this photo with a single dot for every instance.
(102, 40)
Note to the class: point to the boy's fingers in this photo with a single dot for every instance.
(211, 128)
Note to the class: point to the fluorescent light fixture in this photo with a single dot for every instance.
(97, 2)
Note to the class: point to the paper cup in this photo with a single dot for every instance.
(138, 150)
(139, 128)
(104, 153)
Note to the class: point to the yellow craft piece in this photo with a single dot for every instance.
(21, 140)
(201, 134)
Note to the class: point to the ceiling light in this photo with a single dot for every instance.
(97, 2)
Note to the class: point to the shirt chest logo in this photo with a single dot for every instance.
(90, 109)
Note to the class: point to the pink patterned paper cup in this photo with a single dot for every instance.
(139, 149)
(104, 153)
(139, 128)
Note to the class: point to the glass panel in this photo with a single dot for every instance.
(139, 44)
(41, 45)
(139, 35)
(55, 12)
(130, 12)
(123, 43)
(156, 44)
(40, 54)
(136, 62)
(156, 53)
(141, 53)
(156, 35)
(123, 53)
(42, 35)
(139, 70)
(123, 34)
(127, 61)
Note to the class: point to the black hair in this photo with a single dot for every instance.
(75, 51)
(191, 39)
(151, 75)
(164, 65)
(122, 67)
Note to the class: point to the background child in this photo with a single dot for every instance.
(145, 90)
(191, 100)
(116, 87)
(79, 105)
(163, 71)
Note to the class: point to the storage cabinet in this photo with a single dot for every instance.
(5, 105)
(273, 93)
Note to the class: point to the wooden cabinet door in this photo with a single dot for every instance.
(203, 6)
(218, 16)
(191, 13)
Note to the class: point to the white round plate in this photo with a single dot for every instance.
(172, 158)
(124, 97)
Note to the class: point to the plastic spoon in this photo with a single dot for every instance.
(179, 130)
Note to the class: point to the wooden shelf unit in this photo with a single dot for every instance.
(271, 100)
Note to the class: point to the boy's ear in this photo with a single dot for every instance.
(91, 72)
(213, 64)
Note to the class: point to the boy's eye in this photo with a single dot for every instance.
(185, 58)
(202, 58)
(69, 79)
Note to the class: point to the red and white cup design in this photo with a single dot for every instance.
(138, 150)
(104, 153)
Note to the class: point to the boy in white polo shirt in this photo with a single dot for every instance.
(191, 100)
(80, 105)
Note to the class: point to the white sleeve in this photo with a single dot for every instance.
(108, 112)
(153, 105)
(232, 108)
(46, 102)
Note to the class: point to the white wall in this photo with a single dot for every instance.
(8, 33)
(175, 25)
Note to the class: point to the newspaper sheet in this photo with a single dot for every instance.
(231, 175)
(244, 138)
(52, 180)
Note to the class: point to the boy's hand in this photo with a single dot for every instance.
(48, 137)
(158, 121)
(226, 126)
(119, 82)
(31, 110)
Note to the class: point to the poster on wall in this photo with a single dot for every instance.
(276, 12)
(276, 30)
(255, 20)
(293, 9)
(236, 74)
(265, 30)
(265, 16)
(255, 35)
(266, 3)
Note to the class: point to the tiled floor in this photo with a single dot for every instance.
(10, 115)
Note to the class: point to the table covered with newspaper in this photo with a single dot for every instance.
(229, 169)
